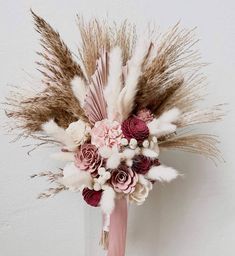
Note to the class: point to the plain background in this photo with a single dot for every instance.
(192, 216)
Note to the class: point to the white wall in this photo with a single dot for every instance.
(193, 216)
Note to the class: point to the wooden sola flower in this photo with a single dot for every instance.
(113, 112)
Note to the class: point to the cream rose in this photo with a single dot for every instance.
(79, 132)
(140, 194)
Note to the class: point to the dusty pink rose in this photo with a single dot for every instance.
(92, 197)
(106, 133)
(88, 159)
(124, 179)
(135, 128)
(145, 115)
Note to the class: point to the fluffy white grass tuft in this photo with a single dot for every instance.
(165, 123)
(170, 116)
(105, 152)
(113, 161)
(145, 182)
(75, 179)
(58, 133)
(128, 153)
(162, 173)
(128, 93)
(79, 89)
(107, 202)
(149, 153)
(114, 85)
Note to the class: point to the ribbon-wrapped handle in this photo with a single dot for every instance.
(115, 239)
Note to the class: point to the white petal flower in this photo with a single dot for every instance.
(140, 194)
(79, 131)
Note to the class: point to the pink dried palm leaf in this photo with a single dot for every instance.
(95, 104)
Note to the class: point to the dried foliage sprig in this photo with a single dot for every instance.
(52, 192)
(202, 144)
(200, 116)
(59, 65)
(97, 35)
(57, 100)
(162, 79)
(51, 176)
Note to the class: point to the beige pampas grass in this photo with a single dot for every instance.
(59, 65)
(56, 100)
(202, 144)
(97, 35)
(163, 75)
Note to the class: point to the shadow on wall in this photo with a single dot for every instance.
(161, 221)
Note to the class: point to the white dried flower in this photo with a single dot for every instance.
(101, 171)
(97, 186)
(133, 143)
(79, 131)
(140, 194)
(154, 139)
(146, 144)
(124, 141)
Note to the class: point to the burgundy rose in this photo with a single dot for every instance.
(88, 159)
(123, 179)
(141, 164)
(135, 128)
(92, 197)
(145, 115)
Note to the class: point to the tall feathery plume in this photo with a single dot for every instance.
(56, 101)
(127, 96)
(59, 64)
(79, 89)
(160, 78)
(114, 85)
(97, 35)
(202, 144)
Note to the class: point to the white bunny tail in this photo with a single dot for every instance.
(170, 116)
(149, 153)
(107, 202)
(58, 133)
(113, 161)
(75, 179)
(128, 93)
(164, 125)
(162, 173)
(79, 89)
(114, 85)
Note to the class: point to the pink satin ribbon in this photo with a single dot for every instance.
(117, 229)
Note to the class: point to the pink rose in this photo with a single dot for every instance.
(145, 115)
(135, 128)
(92, 197)
(124, 179)
(106, 133)
(87, 158)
